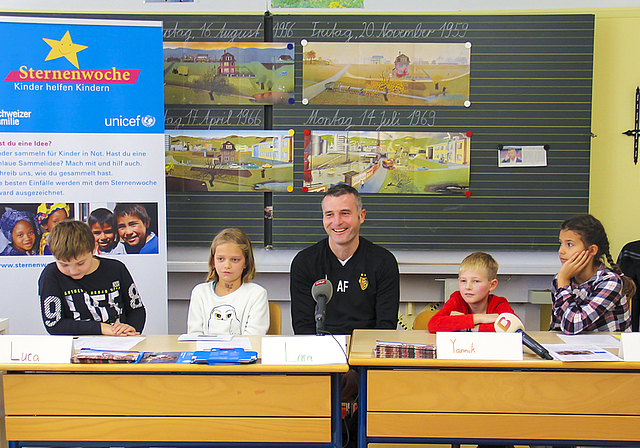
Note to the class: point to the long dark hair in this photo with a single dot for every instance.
(592, 232)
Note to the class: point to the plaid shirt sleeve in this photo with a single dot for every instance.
(587, 307)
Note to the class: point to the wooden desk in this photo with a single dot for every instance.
(170, 403)
(532, 401)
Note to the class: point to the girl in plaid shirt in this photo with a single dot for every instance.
(587, 295)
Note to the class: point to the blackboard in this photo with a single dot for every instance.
(531, 78)
(530, 85)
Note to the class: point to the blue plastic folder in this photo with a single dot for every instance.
(224, 356)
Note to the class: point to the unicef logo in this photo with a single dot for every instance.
(148, 121)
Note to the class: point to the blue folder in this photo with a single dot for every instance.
(224, 356)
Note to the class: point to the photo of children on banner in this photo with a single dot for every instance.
(123, 228)
(105, 230)
(25, 228)
(48, 215)
(20, 231)
(134, 227)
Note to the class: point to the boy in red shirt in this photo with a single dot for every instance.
(473, 307)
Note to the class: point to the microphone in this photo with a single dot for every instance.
(510, 323)
(321, 291)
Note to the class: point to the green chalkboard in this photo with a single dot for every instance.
(530, 84)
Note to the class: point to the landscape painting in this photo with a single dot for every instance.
(228, 72)
(238, 160)
(388, 162)
(412, 74)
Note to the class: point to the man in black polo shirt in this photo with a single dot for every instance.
(365, 278)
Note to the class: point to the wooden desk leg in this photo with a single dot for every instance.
(336, 410)
(362, 408)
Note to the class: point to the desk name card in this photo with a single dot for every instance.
(304, 350)
(479, 346)
(630, 346)
(36, 349)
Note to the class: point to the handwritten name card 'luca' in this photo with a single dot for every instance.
(36, 349)
(479, 346)
(308, 350)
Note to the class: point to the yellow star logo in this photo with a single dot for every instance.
(64, 48)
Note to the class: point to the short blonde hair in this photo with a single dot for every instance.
(239, 238)
(480, 260)
(71, 239)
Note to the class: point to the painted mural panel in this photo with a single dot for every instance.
(228, 72)
(388, 162)
(236, 160)
(412, 74)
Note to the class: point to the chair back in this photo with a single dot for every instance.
(422, 320)
(275, 319)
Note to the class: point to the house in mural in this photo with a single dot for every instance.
(401, 66)
(227, 64)
(275, 148)
(227, 153)
(455, 150)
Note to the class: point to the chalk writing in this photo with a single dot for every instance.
(422, 118)
(379, 30)
(213, 118)
(315, 119)
(283, 29)
(388, 118)
(330, 32)
(454, 29)
(177, 33)
(232, 34)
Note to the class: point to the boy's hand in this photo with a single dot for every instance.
(118, 329)
(573, 266)
(456, 313)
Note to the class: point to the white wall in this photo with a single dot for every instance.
(422, 275)
(259, 6)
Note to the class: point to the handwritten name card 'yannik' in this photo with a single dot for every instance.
(36, 349)
(307, 350)
(479, 346)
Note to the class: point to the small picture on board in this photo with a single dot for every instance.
(510, 154)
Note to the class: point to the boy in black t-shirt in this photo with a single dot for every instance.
(82, 294)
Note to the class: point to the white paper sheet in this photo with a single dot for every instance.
(237, 342)
(599, 340)
(106, 342)
(575, 352)
(205, 337)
